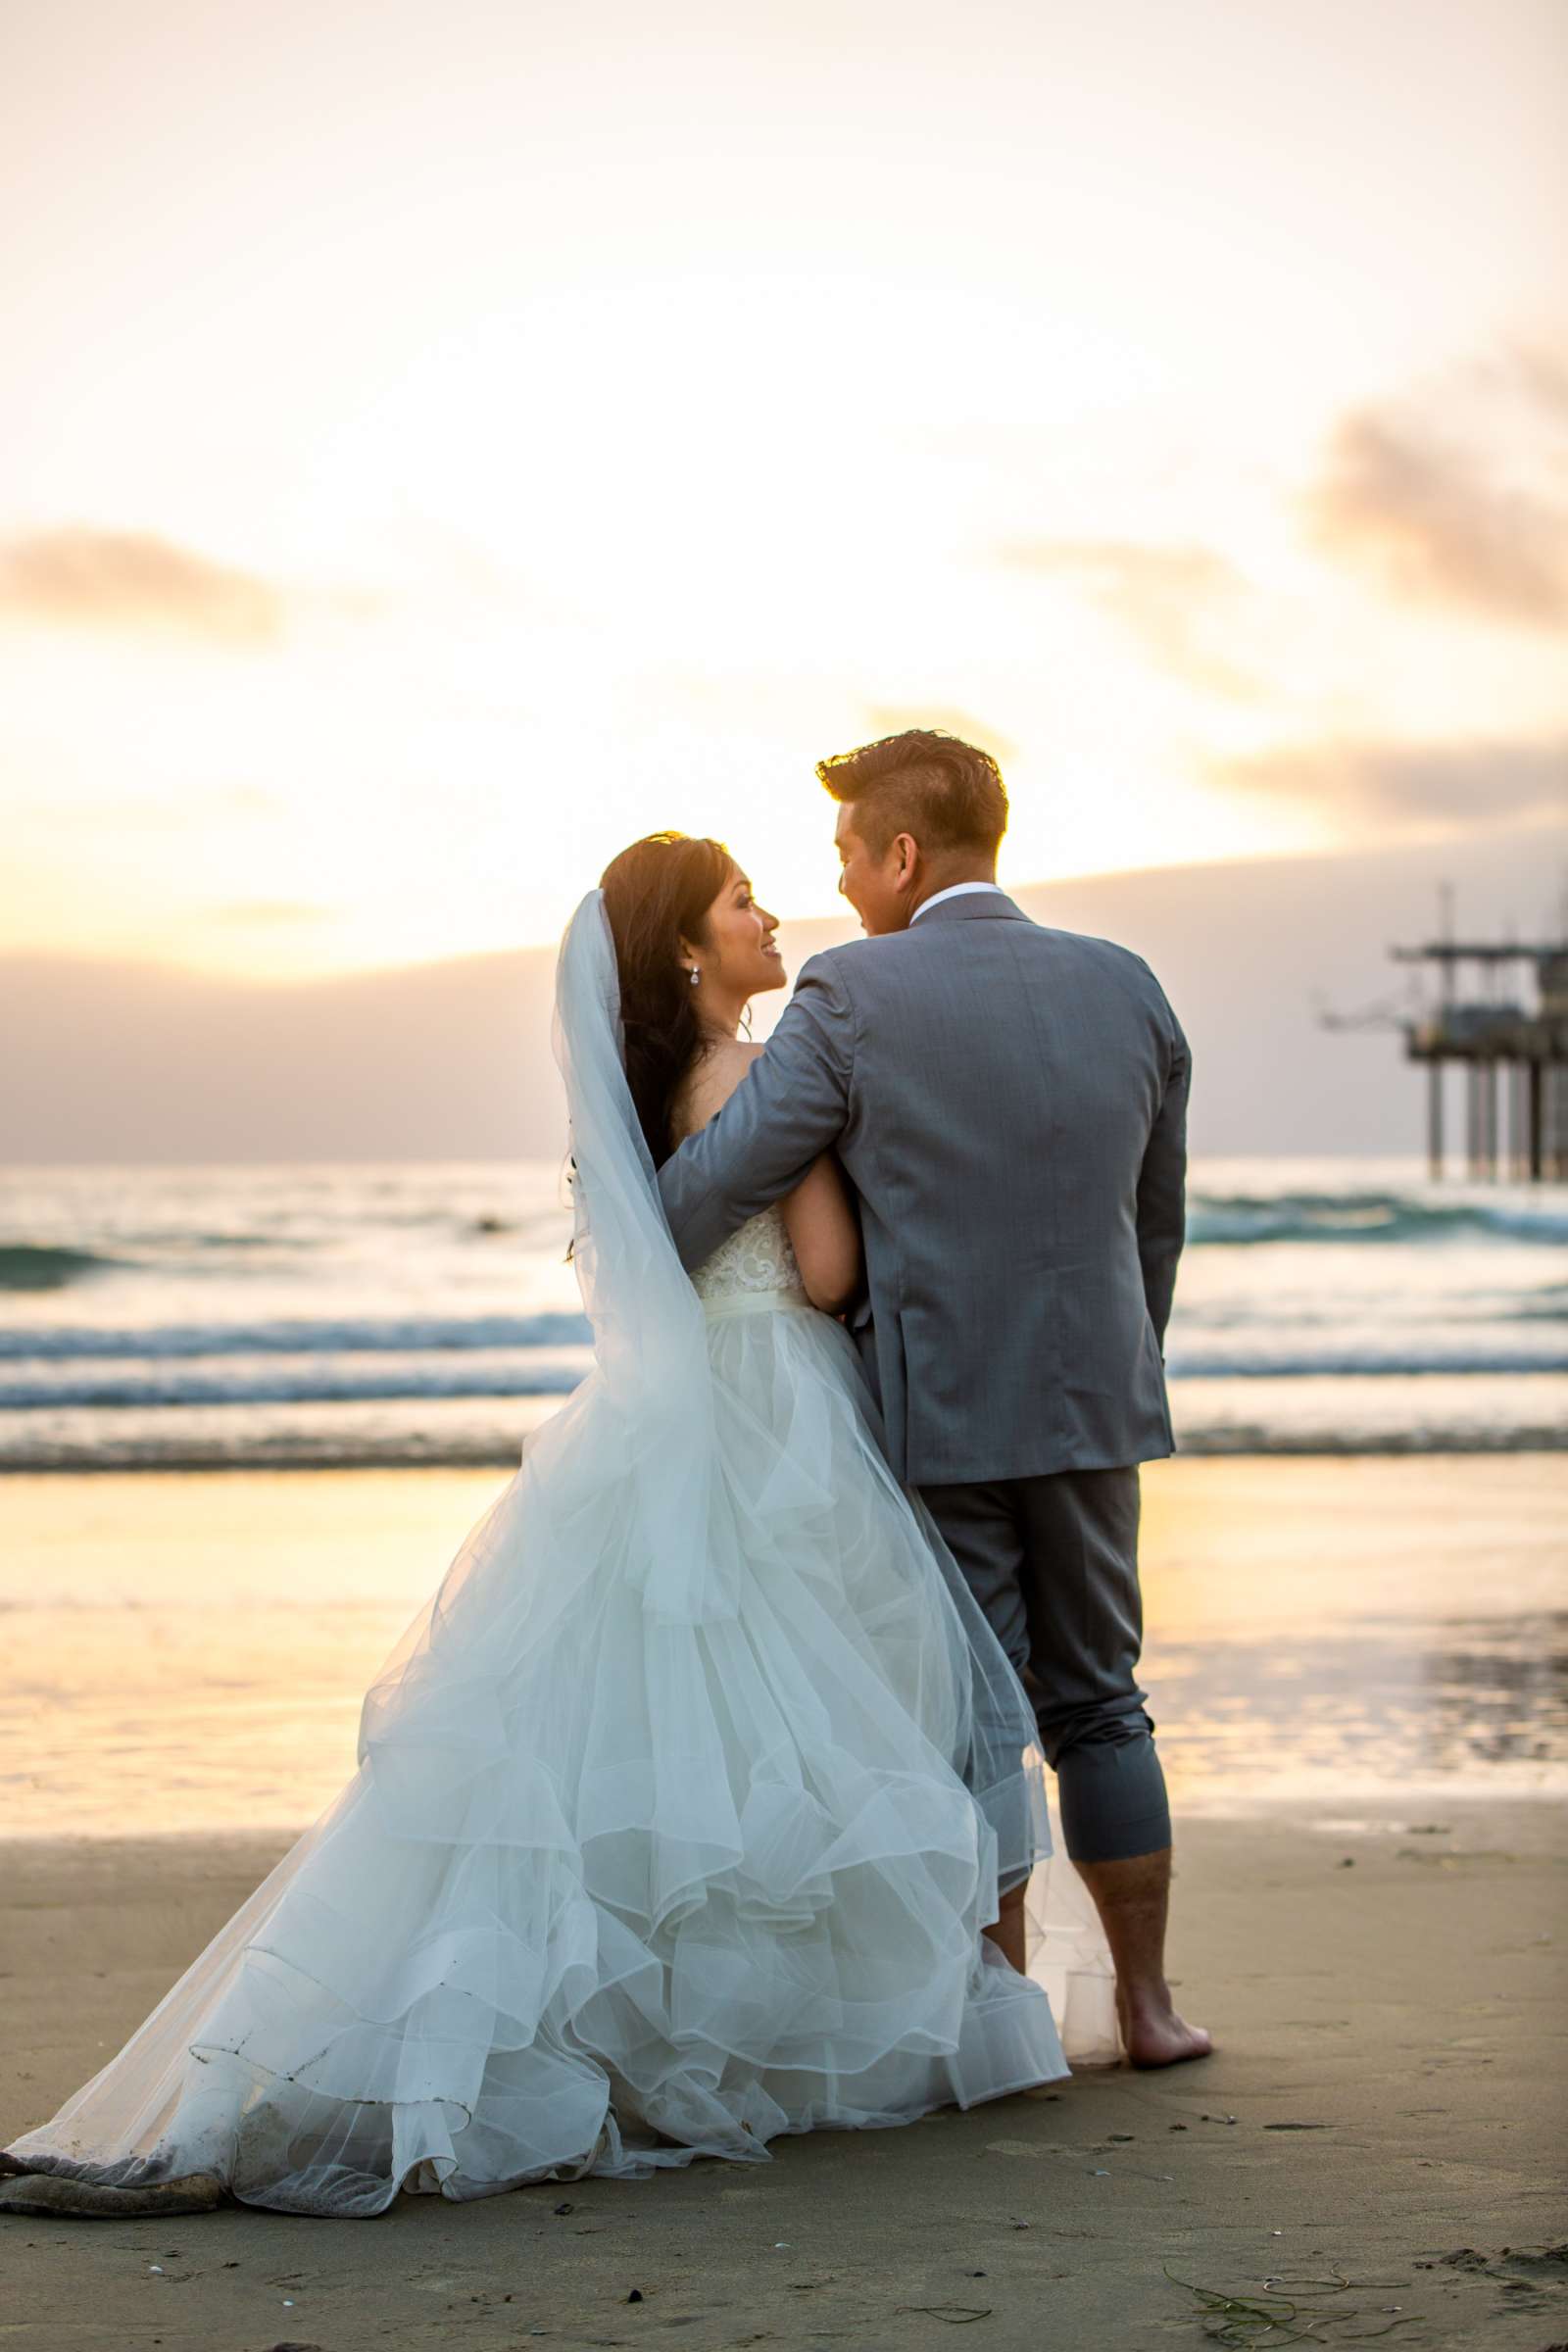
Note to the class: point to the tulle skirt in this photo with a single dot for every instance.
(615, 1887)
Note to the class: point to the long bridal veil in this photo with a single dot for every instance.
(678, 1811)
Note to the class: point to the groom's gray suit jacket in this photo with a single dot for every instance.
(1009, 1104)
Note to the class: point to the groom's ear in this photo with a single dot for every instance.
(903, 858)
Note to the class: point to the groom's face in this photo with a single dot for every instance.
(876, 886)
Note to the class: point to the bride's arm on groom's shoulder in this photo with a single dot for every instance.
(1163, 1186)
(770, 1133)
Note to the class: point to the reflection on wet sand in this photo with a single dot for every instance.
(1501, 1702)
(188, 1652)
(1469, 1698)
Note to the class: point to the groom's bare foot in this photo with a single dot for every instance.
(1155, 2035)
(1132, 1898)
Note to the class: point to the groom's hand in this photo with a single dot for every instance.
(1162, 1189)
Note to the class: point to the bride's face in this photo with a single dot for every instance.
(737, 956)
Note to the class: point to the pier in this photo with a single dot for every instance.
(1502, 1015)
(1514, 1053)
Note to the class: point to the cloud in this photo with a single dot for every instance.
(1459, 787)
(1178, 603)
(1540, 376)
(78, 577)
(1464, 511)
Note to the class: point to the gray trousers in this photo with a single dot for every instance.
(1053, 1563)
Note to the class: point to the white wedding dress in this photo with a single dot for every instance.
(679, 1812)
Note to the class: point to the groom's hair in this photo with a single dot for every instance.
(943, 790)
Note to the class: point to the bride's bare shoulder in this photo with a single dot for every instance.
(711, 1082)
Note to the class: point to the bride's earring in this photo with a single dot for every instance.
(695, 975)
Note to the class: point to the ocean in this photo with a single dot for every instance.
(314, 1316)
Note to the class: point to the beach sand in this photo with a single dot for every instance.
(1408, 2007)
(1361, 1726)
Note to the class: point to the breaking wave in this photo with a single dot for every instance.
(37, 1266)
(1235, 1219)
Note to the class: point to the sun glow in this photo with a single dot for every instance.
(560, 435)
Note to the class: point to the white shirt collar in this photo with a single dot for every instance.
(954, 889)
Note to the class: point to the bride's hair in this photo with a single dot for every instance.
(657, 893)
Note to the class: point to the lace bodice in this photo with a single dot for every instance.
(755, 1264)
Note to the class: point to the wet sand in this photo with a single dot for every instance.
(188, 1652)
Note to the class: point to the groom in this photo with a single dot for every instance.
(1009, 1104)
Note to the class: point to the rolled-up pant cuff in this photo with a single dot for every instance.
(1111, 1792)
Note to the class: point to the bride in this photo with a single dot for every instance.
(682, 1810)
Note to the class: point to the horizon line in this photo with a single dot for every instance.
(174, 968)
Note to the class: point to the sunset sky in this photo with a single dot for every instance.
(438, 443)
